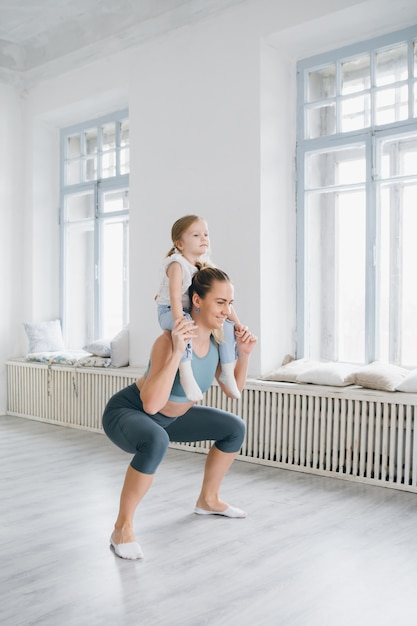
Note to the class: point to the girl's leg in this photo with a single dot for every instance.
(187, 380)
(227, 353)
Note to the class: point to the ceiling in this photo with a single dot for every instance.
(40, 34)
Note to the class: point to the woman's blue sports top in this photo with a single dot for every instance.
(204, 369)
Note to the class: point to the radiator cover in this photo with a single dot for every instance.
(350, 433)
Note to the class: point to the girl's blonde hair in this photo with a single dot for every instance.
(178, 229)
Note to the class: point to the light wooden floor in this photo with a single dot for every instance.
(313, 552)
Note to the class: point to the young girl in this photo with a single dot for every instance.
(191, 242)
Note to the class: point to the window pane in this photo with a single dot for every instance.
(115, 201)
(124, 133)
(108, 159)
(398, 250)
(398, 260)
(351, 233)
(114, 279)
(344, 166)
(384, 264)
(321, 84)
(415, 57)
(79, 283)
(91, 141)
(355, 113)
(124, 161)
(391, 65)
(73, 146)
(415, 100)
(108, 165)
(408, 347)
(91, 169)
(399, 157)
(109, 136)
(321, 121)
(78, 207)
(356, 74)
(73, 172)
(335, 276)
(391, 105)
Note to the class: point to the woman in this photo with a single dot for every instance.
(189, 252)
(143, 418)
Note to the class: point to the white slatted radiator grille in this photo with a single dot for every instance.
(62, 395)
(354, 434)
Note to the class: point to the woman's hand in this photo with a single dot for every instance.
(182, 332)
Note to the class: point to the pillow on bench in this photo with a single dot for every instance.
(68, 357)
(409, 383)
(289, 372)
(44, 336)
(314, 372)
(100, 347)
(334, 374)
(381, 376)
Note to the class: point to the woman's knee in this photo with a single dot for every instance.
(235, 436)
(150, 451)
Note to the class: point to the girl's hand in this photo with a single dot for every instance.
(245, 340)
(183, 330)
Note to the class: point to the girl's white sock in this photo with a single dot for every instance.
(227, 377)
(188, 382)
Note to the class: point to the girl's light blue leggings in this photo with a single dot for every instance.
(147, 436)
(227, 349)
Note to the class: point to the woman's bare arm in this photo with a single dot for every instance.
(164, 361)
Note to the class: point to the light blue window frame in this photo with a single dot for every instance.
(97, 186)
(369, 137)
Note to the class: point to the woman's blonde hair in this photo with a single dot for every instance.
(202, 284)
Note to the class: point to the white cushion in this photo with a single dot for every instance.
(100, 347)
(289, 372)
(69, 357)
(92, 360)
(335, 374)
(120, 348)
(409, 383)
(44, 336)
(382, 376)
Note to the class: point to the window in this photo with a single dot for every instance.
(357, 202)
(94, 219)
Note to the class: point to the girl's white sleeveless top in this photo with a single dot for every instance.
(188, 271)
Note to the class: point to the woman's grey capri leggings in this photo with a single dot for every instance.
(147, 436)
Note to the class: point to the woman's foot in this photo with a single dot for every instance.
(218, 508)
(231, 511)
(124, 545)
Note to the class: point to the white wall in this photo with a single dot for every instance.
(13, 242)
(212, 116)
